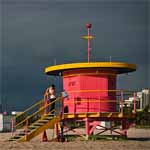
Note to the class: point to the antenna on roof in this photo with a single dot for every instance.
(89, 38)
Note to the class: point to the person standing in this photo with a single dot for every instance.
(46, 101)
(52, 98)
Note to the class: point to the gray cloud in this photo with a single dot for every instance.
(34, 34)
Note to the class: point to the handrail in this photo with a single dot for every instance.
(41, 109)
(78, 91)
(30, 108)
(34, 105)
(91, 100)
(76, 101)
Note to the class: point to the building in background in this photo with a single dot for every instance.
(6, 123)
(142, 100)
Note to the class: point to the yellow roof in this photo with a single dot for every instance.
(118, 66)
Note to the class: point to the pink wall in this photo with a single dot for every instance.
(83, 87)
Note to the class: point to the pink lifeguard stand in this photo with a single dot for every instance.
(91, 87)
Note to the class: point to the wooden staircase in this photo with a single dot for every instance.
(40, 124)
(36, 128)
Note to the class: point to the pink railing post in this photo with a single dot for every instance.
(26, 127)
(87, 126)
(134, 103)
(56, 130)
(122, 100)
(62, 108)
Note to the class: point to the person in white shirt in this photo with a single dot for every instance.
(52, 97)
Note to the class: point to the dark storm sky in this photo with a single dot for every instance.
(35, 32)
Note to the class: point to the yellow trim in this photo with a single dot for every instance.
(84, 74)
(86, 37)
(118, 66)
(100, 91)
(99, 115)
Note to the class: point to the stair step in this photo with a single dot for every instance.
(51, 115)
(23, 131)
(38, 124)
(21, 134)
(32, 127)
(43, 121)
(48, 118)
(12, 139)
(17, 137)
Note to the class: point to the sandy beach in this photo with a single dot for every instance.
(139, 139)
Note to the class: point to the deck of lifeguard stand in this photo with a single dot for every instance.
(98, 115)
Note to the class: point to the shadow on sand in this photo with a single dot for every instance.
(140, 139)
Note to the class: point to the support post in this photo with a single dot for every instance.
(44, 137)
(62, 108)
(87, 128)
(122, 101)
(134, 103)
(56, 131)
(124, 128)
(88, 45)
(26, 130)
(62, 139)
